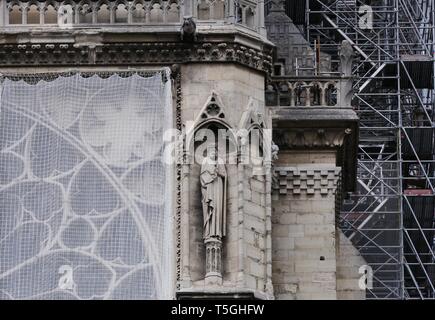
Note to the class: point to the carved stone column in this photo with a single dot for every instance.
(3, 13)
(260, 18)
(186, 280)
(268, 169)
(213, 263)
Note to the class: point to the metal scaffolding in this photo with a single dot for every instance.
(390, 219)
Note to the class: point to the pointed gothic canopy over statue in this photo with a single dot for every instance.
(277, 6)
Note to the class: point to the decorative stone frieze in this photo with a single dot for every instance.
(312, 138)
(309, 181)
(166, 53)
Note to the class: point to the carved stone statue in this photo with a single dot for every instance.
(347, 55)
(213, 184)
(346, 58)
(274, 152)
(213, 178)
(188, 30)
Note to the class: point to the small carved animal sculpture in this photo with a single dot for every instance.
(275, 150)
(188, 30)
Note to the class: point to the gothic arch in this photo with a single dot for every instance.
(212, 114)
(33, 12)
(252, 123)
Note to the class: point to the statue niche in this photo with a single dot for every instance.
(213, 150)
(213, 178)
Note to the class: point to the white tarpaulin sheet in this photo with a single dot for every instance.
(84, 194)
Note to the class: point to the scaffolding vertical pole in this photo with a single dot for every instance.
(307, 18)
(432, 53)
(399, 153)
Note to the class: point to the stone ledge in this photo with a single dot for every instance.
(320, 128)
(101, 47)
(315, 113)
(218, 293)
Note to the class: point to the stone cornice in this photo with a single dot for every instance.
(344, 140)
(96, 47)
(300, 138)
(317, 128)
(159, 53)
(304, 116)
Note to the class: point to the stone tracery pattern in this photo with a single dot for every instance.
(74, 206)
(100, 12)
(300, 93)
(137, 12)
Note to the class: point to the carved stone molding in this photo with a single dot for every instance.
(320, 128)
(176, 74)
(308, 181)
(310, 138)
(133, 53)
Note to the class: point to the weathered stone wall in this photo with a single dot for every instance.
(254, 230)
(303, 230)
(348, 263)
(312, 259)
(234, 84)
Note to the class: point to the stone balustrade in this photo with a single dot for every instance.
(307, 92)
(105, 13)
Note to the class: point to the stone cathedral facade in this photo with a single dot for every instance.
(267, 230)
